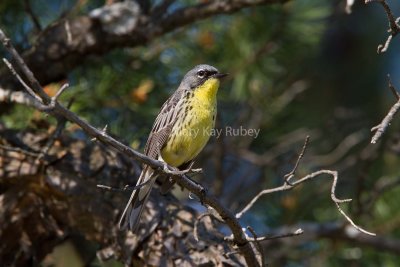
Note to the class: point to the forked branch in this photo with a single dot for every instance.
(381, 127)
(290, 185)
(394, 27)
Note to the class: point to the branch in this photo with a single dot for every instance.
(125, 188)
(61, 122)
(11, 96)
(68, 42)
(286, 187)
(296, 232)
(196, 224)
(258, 244)
(289, 185)
(56, 109)
(335, 231)
(291, 174)
(381, 127)
(19, 150)
(394, 27)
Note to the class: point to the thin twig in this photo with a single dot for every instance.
(381, 127)
(259, 247)
(394, 27)
(131, 188)
(35, 85)
(115, 189)
(291, 174)
(351, 221)
(195, 227)
(19, 150)
(27, 88)
(286, 187)
(59, 92)
(299, 231)
(68, 31)
(19, 97)
(290, 234)
(103, 131)
(61, 122)
(392, 88)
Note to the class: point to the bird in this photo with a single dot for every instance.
(181, 130)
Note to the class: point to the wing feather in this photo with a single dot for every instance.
(163, 125)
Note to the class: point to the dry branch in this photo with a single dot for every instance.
(394, 27)
(336, 231)
(295, 232)
(306, 178)
(381, 127)
(290, 185)
(258, 245)
(19, 97)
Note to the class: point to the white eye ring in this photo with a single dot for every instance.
(201, 73)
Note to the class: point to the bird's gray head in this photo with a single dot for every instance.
(199, 74)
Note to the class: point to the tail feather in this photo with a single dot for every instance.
(134, 208)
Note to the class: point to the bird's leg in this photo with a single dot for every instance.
(190, 165)
(178, 171)
(166, 168)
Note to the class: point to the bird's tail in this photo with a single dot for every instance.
(134, 208)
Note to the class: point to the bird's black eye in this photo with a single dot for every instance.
(201, 73)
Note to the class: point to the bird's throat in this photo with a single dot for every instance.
(207, 92)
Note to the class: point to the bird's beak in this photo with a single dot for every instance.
(220, 75)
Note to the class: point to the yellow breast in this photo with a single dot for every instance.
(190, 134)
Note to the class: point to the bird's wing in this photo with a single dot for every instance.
(158, 136)
(163, 125)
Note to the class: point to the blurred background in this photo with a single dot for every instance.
(298, 68)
